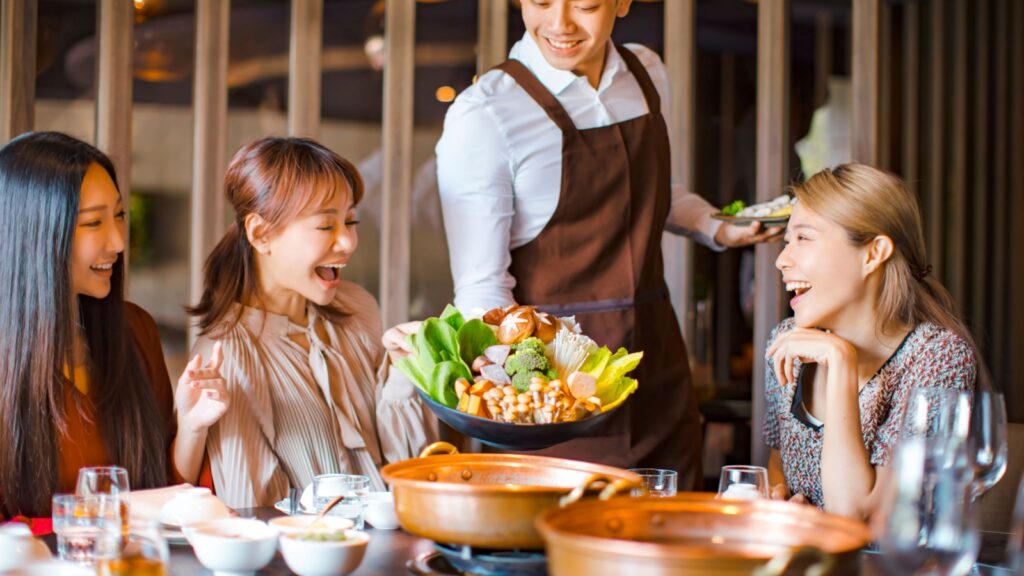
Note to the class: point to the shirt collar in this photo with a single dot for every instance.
(555, 80)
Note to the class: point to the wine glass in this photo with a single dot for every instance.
(988, 443)
(930, 528)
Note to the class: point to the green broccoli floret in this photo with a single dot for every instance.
(526, 361)
(532, 344)
(734, 208)
(521, 380)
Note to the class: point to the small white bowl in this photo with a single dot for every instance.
(193, 505)
(51, 568)
(313, 558)
(299, 524)
(232, 546)
(380, 510)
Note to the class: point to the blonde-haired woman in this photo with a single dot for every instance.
(870, 322)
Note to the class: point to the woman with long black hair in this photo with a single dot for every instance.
(82, 376)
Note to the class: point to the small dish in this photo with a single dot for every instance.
(769, 221)
(282, 507)
(232, 546)
(192, 505)
(318, 558)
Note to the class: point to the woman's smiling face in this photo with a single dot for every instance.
(823, 269)
(100, 234)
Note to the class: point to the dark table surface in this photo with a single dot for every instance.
(390, 550)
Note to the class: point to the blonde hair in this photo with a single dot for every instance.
(868, 202)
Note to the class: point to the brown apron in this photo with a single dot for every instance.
(599, 258)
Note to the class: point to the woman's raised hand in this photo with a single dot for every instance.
(201, 397)
(809, 346)
(396, 340)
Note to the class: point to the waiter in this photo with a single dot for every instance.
(555, 181)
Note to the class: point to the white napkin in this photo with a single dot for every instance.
(147, 504)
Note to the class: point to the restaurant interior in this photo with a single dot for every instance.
(765, 93)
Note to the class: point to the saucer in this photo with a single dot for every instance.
(283, 507)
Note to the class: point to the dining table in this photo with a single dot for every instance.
(390, 551)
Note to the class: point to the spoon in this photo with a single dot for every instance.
(318, 522)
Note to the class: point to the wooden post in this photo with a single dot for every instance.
(772, 168)
(680, 59)
(866, 80)
(823, 48)
(999, 278)
(115, 28)
(17, 67)
(209, 129)
(399, 71)
(492, 29)
(304, 56)
(1016, 190)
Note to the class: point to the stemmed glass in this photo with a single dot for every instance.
(988, 443)
(930, 528)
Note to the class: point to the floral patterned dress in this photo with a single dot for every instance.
(929, 356)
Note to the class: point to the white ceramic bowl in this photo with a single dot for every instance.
(51, 568)
(232, 546)
(18, 547)
(193, 505)
(299, 524)
(312, 558)
(380, 510)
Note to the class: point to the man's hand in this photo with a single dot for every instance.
(733, 236)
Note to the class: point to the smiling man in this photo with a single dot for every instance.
(555, 180)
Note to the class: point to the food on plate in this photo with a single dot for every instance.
(517, 365)
(780, 207)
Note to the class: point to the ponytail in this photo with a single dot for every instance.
(229, 276)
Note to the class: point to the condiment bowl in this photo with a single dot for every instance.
(380, 510)
(319, 558)
(232, 546)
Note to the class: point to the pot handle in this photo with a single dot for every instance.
(609, 488)
(438, 448)
(823, 562)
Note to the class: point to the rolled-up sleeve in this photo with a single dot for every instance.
(474, 173)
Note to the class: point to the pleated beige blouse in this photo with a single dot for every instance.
(295, 413)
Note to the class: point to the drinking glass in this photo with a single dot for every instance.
(930, 528)
(659, 482)
(86, 526)
(143, 553)
(743, 483)
(353, 487)
(109, 480)
(988, 444)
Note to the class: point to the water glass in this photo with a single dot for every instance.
(87, 527)
(930, 527)
(143, 553)
(659, 482)
(108, 480)
(743, 483)
(354, 488)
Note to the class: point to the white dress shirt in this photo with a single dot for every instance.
(499, 165)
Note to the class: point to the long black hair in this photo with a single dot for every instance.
(41, 177)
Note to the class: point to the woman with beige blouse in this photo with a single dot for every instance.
(309, 379)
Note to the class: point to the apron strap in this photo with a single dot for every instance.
(642, 78)
(541, 95)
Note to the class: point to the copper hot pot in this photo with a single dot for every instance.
(488, 500)
(697, 534)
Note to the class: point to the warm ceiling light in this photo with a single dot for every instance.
(445, 94)
(139, 4)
